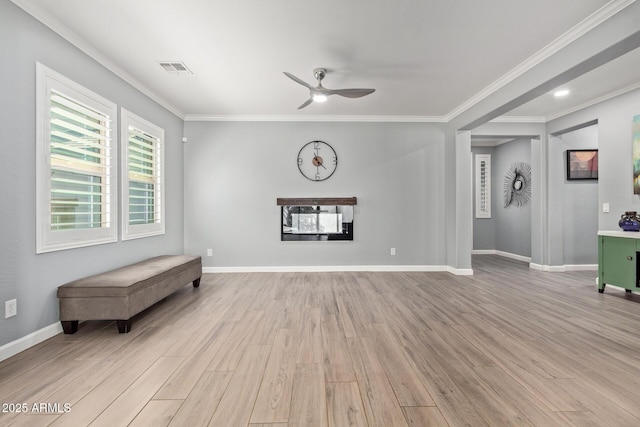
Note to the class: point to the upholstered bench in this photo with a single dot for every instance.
(122, 293)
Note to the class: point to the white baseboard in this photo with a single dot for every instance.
(338, 268)
(564, 268)
(501, 253)
(538, 267)
(460, 271)
(514, 256)
(483, 252)
(581, 267)
(547, 268)
(21, 344)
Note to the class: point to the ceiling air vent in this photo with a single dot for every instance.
(175, 67)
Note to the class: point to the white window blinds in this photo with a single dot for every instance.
(81, 159)
(483, 185)
(76, 167)
(143, 204)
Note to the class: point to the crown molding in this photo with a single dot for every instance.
(328, 118)
(519, 119)
(591, 22)
(490, 144)
(86, 47)
(595, 19)
(557, 115)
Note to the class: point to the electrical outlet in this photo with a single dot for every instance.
(209, 252)
(393, 251)
(10, 308)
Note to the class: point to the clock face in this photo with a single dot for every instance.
(317, 160)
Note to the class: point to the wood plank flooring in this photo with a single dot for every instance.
(507, 346)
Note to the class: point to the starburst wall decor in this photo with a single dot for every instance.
(517, 184)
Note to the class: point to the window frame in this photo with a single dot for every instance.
(48, 240)
(483, 186)
(136, 231)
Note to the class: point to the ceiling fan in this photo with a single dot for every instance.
(320, 93)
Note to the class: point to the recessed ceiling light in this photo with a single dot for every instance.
(561, 93)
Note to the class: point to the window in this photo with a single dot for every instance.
(76, 167)
(483, 185)
(142, 177)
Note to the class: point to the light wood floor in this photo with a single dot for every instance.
(507, 346)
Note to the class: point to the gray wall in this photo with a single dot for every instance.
(615, 180)
(536, 135)
(580, 205)
(513, 224)
(235, 171)
(509, 229)
(31, 278)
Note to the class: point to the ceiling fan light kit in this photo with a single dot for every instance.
(318, 97)
(320, 94)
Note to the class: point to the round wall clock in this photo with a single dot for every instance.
(317, 160)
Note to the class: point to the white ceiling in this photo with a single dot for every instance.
(424, 58)
(617, 76)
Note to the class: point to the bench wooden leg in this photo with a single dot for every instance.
(69, 326)
(124, 326)
(196, 282)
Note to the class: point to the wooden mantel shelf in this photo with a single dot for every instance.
(317, 201)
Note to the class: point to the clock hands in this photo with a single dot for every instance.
(317, 161)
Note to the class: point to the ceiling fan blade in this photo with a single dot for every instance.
(297, 80)
(352, 93)
(320, 93)
(307, 102)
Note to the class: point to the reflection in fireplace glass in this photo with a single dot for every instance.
(317, 223)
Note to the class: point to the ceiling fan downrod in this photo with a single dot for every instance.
(319, 73)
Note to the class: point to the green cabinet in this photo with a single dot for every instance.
(617, 260)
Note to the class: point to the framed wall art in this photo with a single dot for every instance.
(582, 164)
